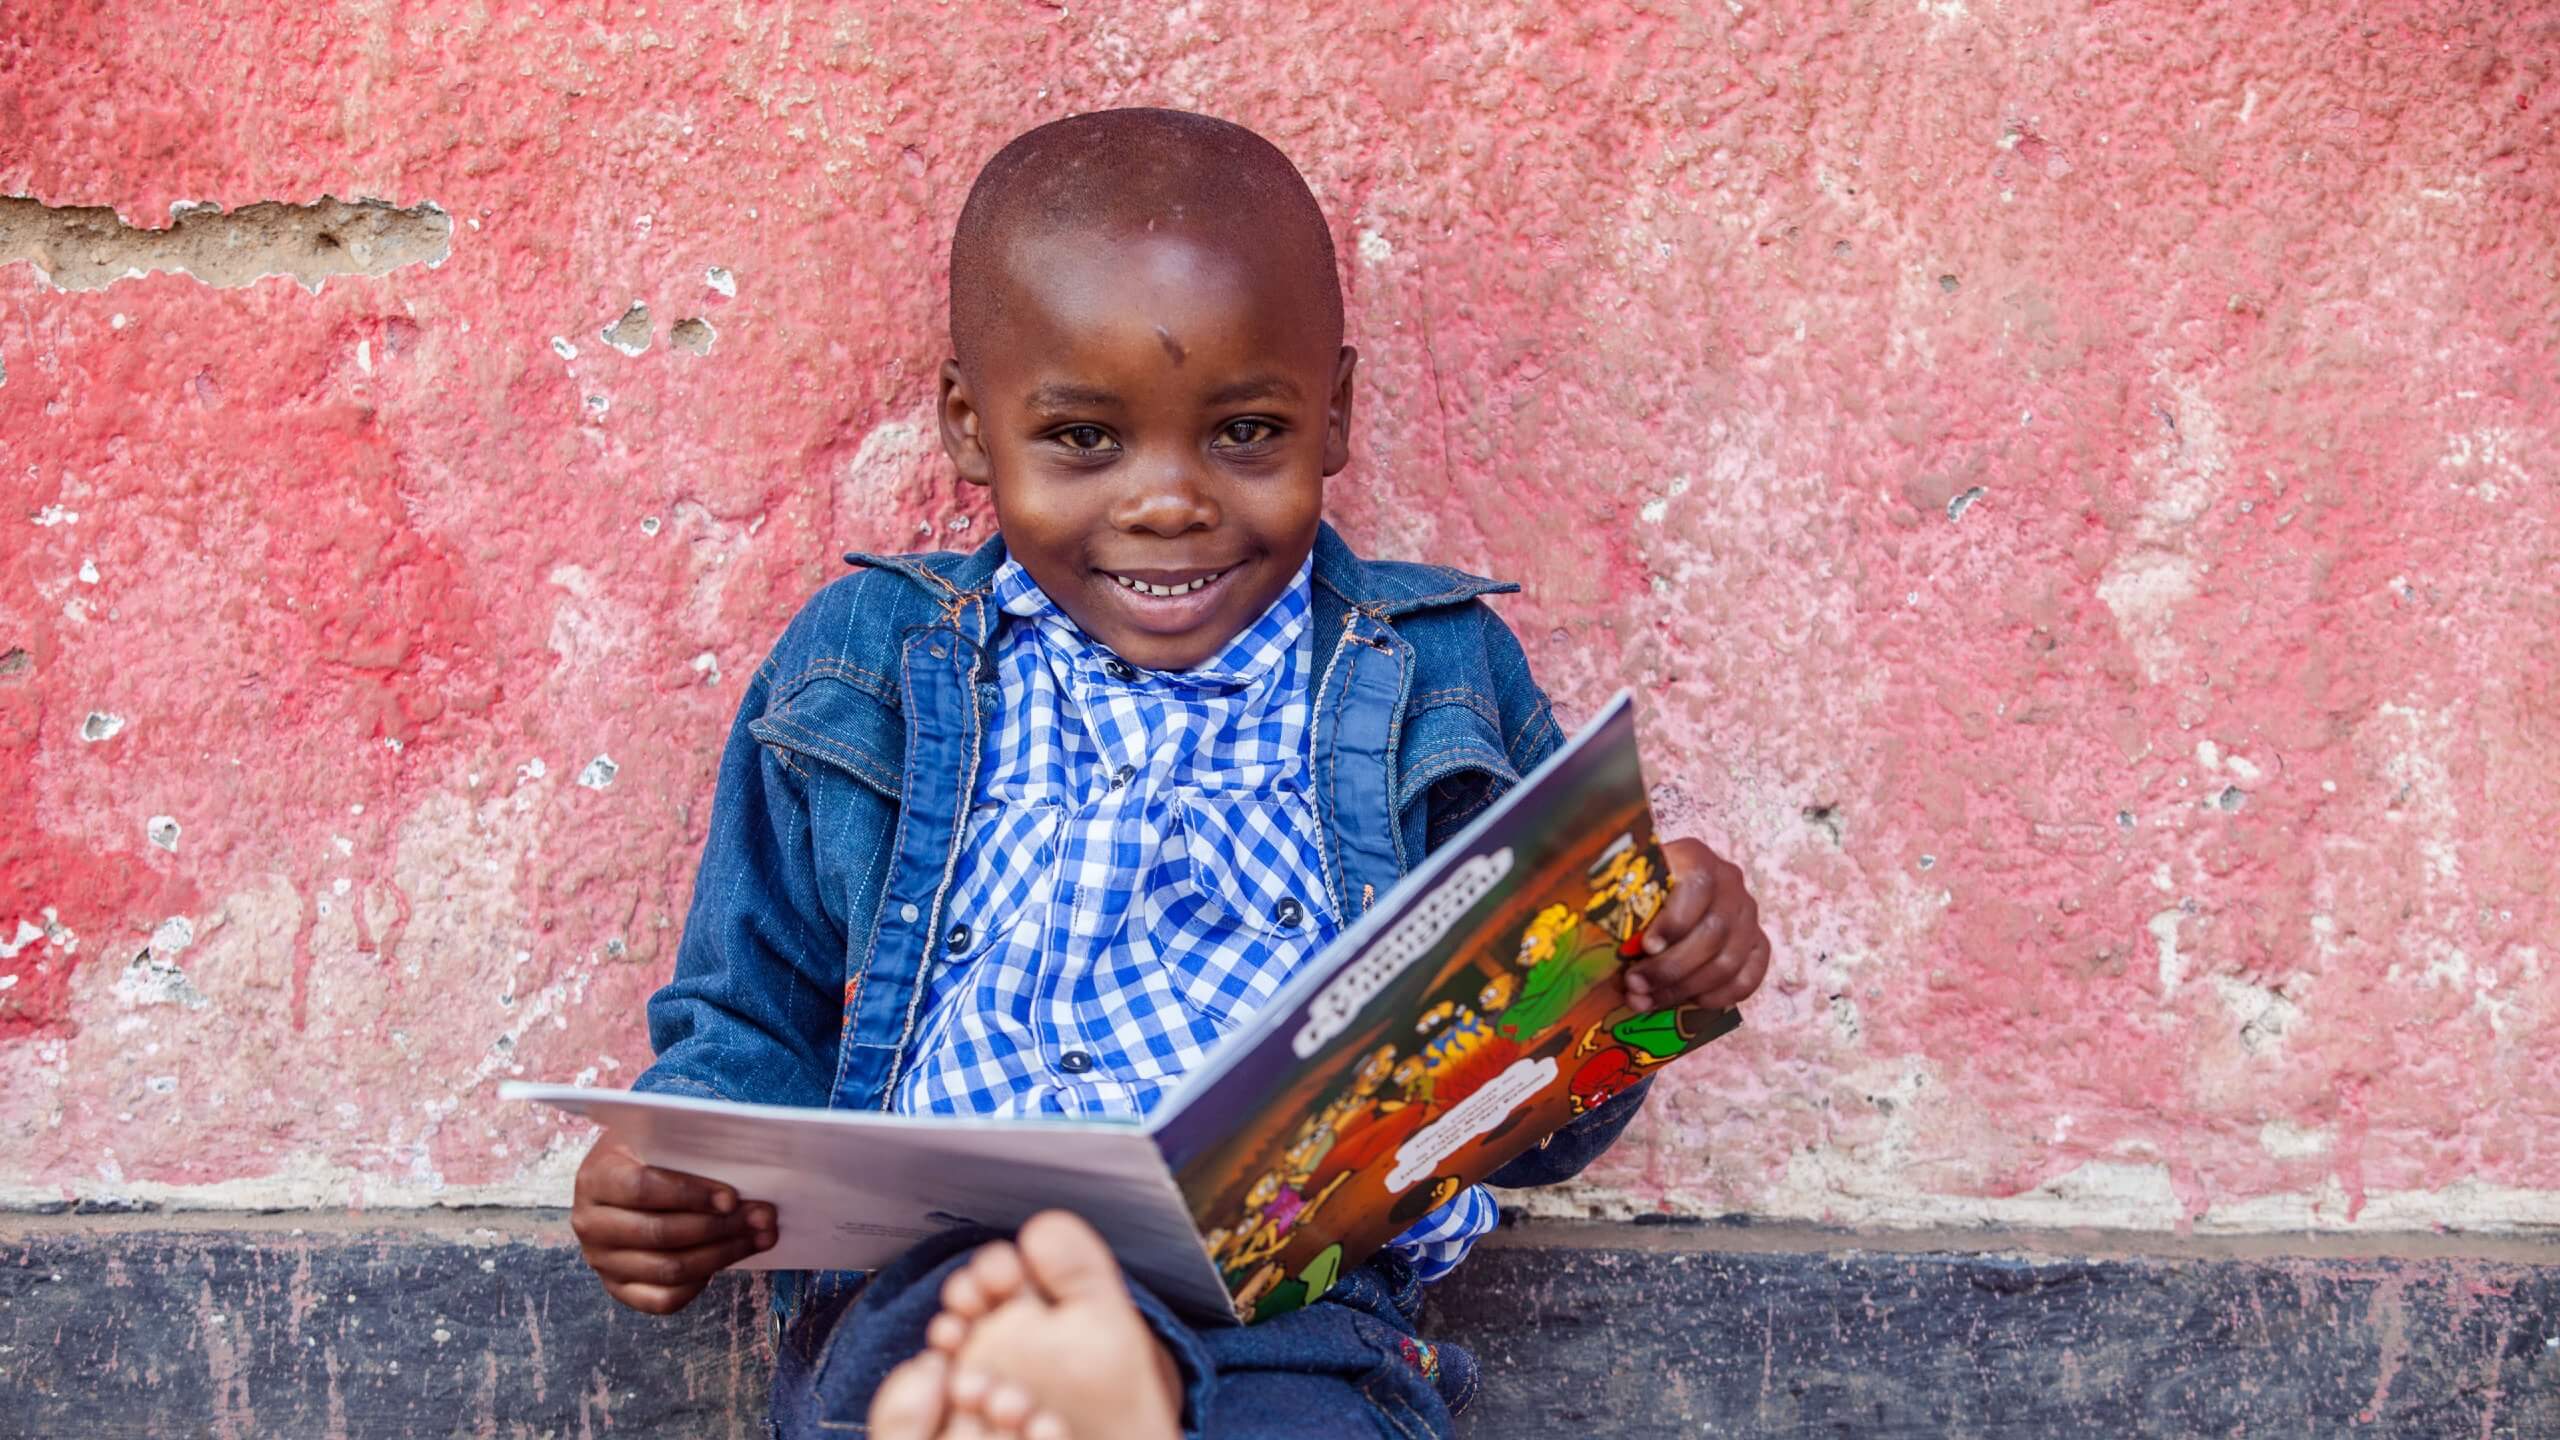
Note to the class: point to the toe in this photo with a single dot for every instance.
(946, 1332)
(1067, 1259)
(1007, 1407)
(998, 1270)
(1046, 1426)
(964, 1297)
(908, 1404)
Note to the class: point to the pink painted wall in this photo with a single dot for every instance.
(2078, 484)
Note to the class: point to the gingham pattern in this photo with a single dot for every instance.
(1137, 878)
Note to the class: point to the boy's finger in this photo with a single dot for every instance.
(1691, 894)
(656, 1189)
(1685, 956)
(654, 1299)
(672, 1267)
(1746, 980)
(609, 1227)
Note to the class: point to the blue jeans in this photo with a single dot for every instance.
(1349, 1365)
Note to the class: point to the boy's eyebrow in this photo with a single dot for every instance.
(1258, 387)
(1057, 396)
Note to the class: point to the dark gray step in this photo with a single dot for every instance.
(463, 1325)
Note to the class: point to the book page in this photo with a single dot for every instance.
(854, 1189)
(1477, 1011)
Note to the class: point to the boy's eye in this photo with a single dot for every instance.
(1083, 437)
(1247, 432)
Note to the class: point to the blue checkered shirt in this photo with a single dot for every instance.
(1138, 876)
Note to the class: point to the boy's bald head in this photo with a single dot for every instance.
(1135, 172)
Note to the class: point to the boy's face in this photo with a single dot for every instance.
(1156, 412)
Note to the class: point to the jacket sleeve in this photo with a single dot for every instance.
(1530, 731)
(755, 1008)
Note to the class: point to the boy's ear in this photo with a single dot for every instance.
(961, 438)
(1337, 413)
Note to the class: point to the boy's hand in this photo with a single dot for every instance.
(1705, 945)
(656, 1237)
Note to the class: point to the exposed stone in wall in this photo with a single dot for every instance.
(90, 247)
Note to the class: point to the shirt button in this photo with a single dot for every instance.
(909, 913)
(957, 940)
(1289, 913)
(1118, 669)
(1123, 776)
(1075, 1062)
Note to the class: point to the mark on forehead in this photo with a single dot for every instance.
(1172, 347)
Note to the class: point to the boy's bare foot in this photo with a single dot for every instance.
(992, 1277)
(1068, 1357)
(910, 1404)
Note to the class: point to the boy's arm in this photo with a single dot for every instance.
(755, 1008)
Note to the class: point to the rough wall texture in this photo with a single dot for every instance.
(2076, 484)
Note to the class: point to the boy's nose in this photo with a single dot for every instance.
(1170, 499)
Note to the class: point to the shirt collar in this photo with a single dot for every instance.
(1256, 650)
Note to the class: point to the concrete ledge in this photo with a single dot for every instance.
(486, 1324)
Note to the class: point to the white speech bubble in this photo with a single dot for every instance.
(1473, 1116)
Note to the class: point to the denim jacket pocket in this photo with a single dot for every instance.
(839, 720)
(1247, 907)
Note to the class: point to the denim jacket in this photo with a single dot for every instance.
(836, 830)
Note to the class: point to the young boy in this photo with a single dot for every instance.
(1026, 831)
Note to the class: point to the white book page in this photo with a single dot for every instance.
(854, 1189)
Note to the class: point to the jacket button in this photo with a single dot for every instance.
(1289, 913)
(1075, 1062)
(1123, 776)
(958, 939)
(1118, 669)
(909, 913)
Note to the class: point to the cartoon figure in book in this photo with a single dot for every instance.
(1563, 955)
(1644, 1042)
(1624, 894)
(1603, 1078)
(1465, 1048)
(1280, 1199)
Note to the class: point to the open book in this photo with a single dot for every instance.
(1472, 1013)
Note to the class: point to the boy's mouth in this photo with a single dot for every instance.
(1167, 602)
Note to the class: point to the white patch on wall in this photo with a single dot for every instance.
(163, 831)
(101, 725)
(2292, 1142)
(2263, 1014)
(2413, 764)
(154, 977)
(2164, 935)
(2147, 581)
(2483, 464)
(1374, 247)
(887, 460)
(599, 773)
(721, 280)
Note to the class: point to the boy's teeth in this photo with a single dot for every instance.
(1143, 588)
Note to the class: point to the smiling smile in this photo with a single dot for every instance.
(1167, 602)
(1176, 587)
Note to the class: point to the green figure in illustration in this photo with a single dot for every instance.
(1660, 1035)
(1562, 967)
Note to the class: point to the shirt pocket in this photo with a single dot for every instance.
(1007, 860)
(1245, 907)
